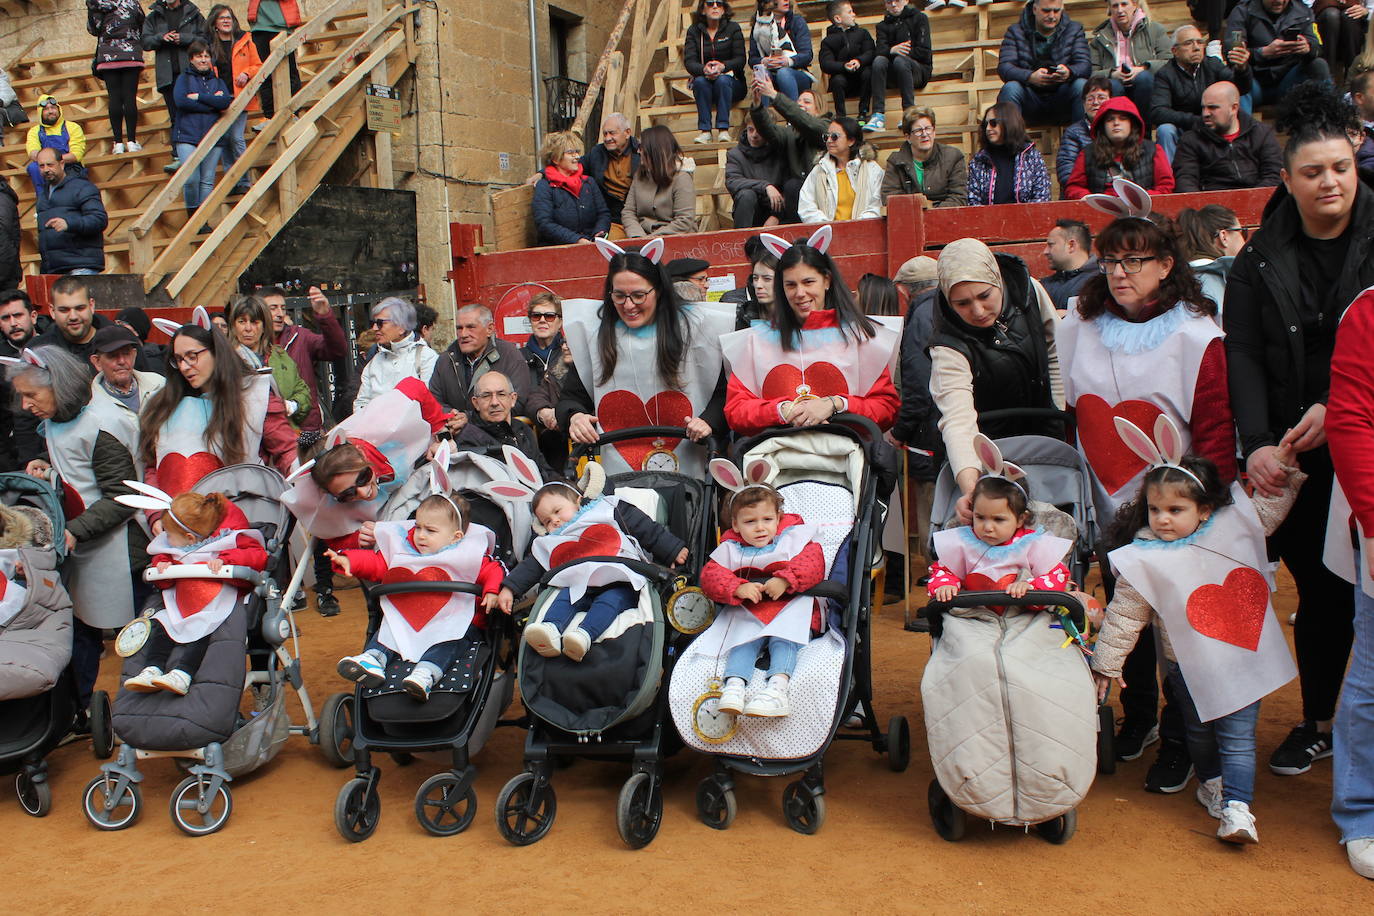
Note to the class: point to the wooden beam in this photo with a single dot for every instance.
(584, 111)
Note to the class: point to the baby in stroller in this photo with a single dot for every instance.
(780, 549)
(422, 628)
(35, 611)
(196, 528)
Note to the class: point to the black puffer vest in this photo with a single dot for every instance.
(1143, 174)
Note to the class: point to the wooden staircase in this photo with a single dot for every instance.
(345, 46)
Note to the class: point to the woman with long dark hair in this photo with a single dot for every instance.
(662, 199)
(1119, 149)
(714, 56)
(250, 326)
(1008, 167)
(1212, 238)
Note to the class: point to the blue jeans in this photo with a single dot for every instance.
(1138, 92)
(1224, 747)
(199, 185)
(721, 94)
(601, 605)
(782, 658)
(1262, 88)
(1352, 795)
(439, 657)
(237, 144)
(1166, 135)
(790, 82)
(1064, 105)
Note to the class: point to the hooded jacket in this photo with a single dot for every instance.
(820, 192)
(1206, 161)
(197, 115)
(409, 357)
(189, 24)
(840, 46)
(82, 243)
(727, 47)
(799, 139)
(1177, 94)
(65, 135)
(944, 180)
(753, 168)
(1260, 28)
(1030, 185)
(910, 25)
(1024, 50)
(1150, 44)
(1152, 171)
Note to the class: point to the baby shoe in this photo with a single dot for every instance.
(732, 697)
(174, 681)
(143, 681)
(576, 642)
(545, 639)
(770, 702)
(419, 682)
(362, 669)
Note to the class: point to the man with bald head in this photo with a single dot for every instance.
(1176, 99)
(1229, 150)
(493, 423)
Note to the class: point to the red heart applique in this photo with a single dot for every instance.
(596, 541)
(418, 608)
(1233, 611)
(177, 473)
(4, 587)
(621, 409)
(977, 582)
(72, 503)
(194, 595)
(823, 379)
(768, 608)
(1111, 459)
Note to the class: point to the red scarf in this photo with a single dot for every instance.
(570, 183)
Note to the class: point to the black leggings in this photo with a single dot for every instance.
(122, 85)
(263, 42)
(160, 646)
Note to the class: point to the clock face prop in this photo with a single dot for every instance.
(132, 637)
(710, 724)
(690, 611)
(660, 458)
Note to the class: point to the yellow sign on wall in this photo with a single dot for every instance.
(383, 109)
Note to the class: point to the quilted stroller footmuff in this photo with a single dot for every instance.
(163, 721)
(402, 716)
(1011, 716)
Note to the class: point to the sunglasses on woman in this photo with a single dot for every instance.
(348, 494)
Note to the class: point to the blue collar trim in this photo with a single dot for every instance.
(1131, 337)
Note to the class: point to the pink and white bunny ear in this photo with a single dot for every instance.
(1168, 440)
(1137, 441)
(724, 472)
(337, 436)
(989, 455)
(608, 248)
(776, 247)
(167, 326)
(438, 469)
(12, 361)
(1013, 472)
(821, 238)
(300, 472)
(1109, 204)
(653, 250)
(201, 318)
(32, 358)
(526, 471)
(592, 483)
(1137, 198)
(507, 490)
(759, 470)
(148, 490)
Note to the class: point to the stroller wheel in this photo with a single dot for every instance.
(803, 808)
(639, 811)
(197, 811)
(336, 729)
(1106, 741)
(34, 796)
(357, 810)
(1060, 829)
(898, 744)
(108, 811)
(948, 818)
(715, 804)
(102, 735)
(525, 811)
(440, 809)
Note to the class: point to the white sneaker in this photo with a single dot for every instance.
(1237, 824)
(722, 136)
(1214, 48)
(143, 681)
(1209, 795)
(544, 638)
(174, 681)
(576, 642)
(117, 149)
(732, 697)
(703, 137)
(362, 669)
(419, 682)
(1361, 855)
(876, 122)
(934, 5)
(770, 702)
(134, 147)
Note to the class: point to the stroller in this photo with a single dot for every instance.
(38, 704)
(464, 706)
(204, 731)
(1024, 753)
(827, 477)
(610, 705)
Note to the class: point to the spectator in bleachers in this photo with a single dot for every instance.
(400, 354)
(1277, 63)
(801, 140)
(493, 423)
(781, 41)
(612, 164)
(1176, 103)
(236, 62)
(118, 29)
(475, 351)
(847, 52)
(663, 196)
(169, 29)
(922, 166)
(878, 296)
(549, 360)
(71, 220)
(1341, 25)
(1362, 96)
(1130, 49)
(266, 20)
(846, 183)
(1212, 237)
(1044, 62)
(754, 300)
(903, 56)
(713, 54)
(201, 98)
(1119, 149)
(53, 131)
(691, 278)
(1078, 135)
(1008, 168)
(755, 173)
(568, 206)
(1229, 150)
(10, 270)
(1069, 250)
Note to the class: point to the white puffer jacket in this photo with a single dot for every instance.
(820, 193)
(408, 358)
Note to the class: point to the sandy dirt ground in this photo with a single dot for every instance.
(1134, 852)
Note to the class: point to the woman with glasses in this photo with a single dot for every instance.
(1211, 238)
(568, 207)
(922, 166)
(1008, 168)
(713, 54)
(846, 183)
(547, 354)
(400, 352)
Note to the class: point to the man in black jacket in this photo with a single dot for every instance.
(1069, 250)
(10, 271)
(1229, 151)
(1176, 100)
(902, 54)
(612, 164)
(847, 58)
(477, 351)
(494, 424)
(71, 220)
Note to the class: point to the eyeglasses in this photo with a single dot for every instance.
(1190, 43)
(922, 131)
(619, 296)
(1240, 229)
(835, 138)
(378, 322)
(714, 3)
(544, 316)
(492, 395)
(992, 122)
(1130, 265)
(189, 358)
(348, 494)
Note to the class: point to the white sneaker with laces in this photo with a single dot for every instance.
(722, 136)
(732, 697)
(770, 702)
(419, 682)
(117, 149)
(1209, 795)
(703, 137)
(134, 147)
(1361, 855)
(545, 639)
(935, 4)
(876, 122)
(576, 642)
(362, 669)
(1237, 824)
(174, 681)
(143, 681)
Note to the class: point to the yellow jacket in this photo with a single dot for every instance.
(76, 137)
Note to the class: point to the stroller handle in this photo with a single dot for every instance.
(610, 437)
(648, 570)
(1028, 413)
(399, 588)
(1077, 614)
(201, 571)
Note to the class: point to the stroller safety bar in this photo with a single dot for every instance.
(648, 570)
(201, 571)
(1077, 615)
(398, 588)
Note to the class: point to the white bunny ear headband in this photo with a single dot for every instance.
(756, 474)
(337, 436)
(199, 317)
(1130, 200)
(26, 357)
(526, 481)
(152, 499)
(653, 249)
(438, 477)
(820, 240)
(990, 456)
(1165, 450)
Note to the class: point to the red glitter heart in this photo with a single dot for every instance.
(823, 379)
(194, 595)
(977, 582)
(621, 409)
(177, 473)
(595, 541)
(1233, 611)
(418, 608)
(768, 608)
(1111, 459)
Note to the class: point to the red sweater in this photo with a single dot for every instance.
(1350, 409)
(803, 571)
(1077, 188)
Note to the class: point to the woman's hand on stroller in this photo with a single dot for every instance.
(811, 411)
(1104, 684)
(582, 428)
(505, 600)
(1019, 589)
(697, 429)
(774, 587)
(751, 592)
(340, 562)
(945, 593)
(681, 557)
